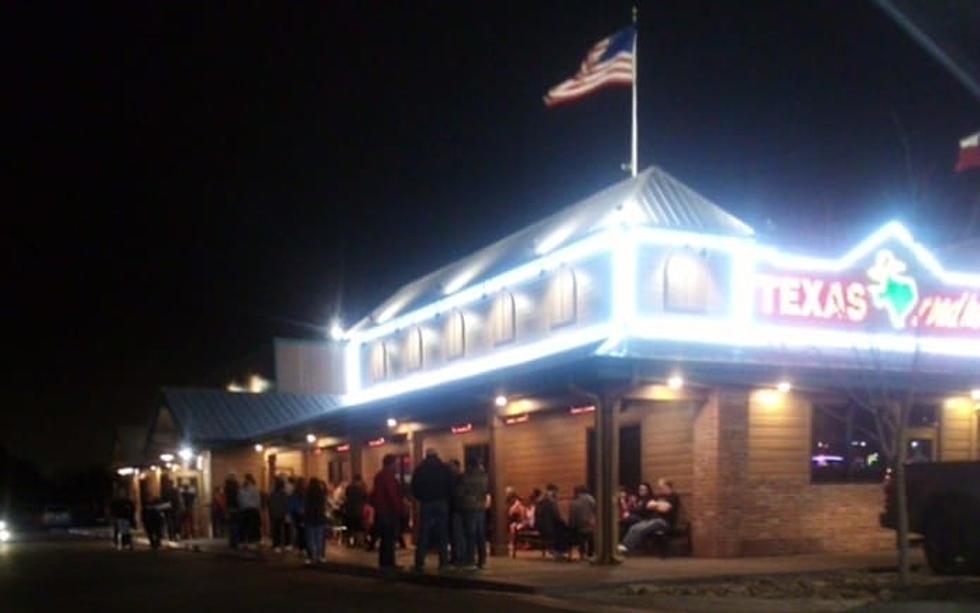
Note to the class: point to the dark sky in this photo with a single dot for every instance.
(189, 179)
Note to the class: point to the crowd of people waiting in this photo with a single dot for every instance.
(454, 505)
(651, 511)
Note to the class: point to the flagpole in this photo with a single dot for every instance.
(634, 137)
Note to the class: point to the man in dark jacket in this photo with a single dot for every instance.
(548, 521)
(386, 497)
(472, 497)
(432, 486)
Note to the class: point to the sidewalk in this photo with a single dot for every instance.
(529, 573)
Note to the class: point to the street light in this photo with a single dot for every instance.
(975, 394)
(500, 401)
(167, 457)
(675, 382)
(392, 422)
(311, 438)
(784, 387)
(186, 453)
(336, 331)
(258, 447)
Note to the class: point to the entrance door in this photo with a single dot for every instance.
(630, 458)
(480, 452)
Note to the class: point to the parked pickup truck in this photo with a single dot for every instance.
(944, 507)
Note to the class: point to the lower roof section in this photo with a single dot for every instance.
(216, 416)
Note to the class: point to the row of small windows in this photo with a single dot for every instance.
(688, 287)
(502, 328)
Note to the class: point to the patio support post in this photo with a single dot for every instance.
(498, 506)
(607, 475)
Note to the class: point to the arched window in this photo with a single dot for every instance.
(564, 306)
(504, 328)
(687, 283)
(414, 354)
(380, 361)
(455, 335)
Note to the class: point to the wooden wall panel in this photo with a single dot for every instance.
(958, 430)
(548, 448)
(371, 458)
(290, 463)
(667, 435)
(240, 461)
(450, 446)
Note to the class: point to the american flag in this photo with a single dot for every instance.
(609, 62)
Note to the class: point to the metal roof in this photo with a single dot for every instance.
(652, 198)
(216, 415)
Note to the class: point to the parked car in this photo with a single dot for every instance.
(944, 507)
(56, 516)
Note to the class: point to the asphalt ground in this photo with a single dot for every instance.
(66, 574)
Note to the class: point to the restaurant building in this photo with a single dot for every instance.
(643, 332)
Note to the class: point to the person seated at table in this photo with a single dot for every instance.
(548, 521)
(626, 505)
(516, 512)
(657, 513)
(582, 520)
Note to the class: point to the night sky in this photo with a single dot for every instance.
(188, 180)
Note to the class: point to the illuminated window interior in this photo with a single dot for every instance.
(564, 297)
(455, 335)
(504, 318)
(414, 349)
(380, 361)
(687, 283)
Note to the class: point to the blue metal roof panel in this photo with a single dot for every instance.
(657, 199)
(218, 415)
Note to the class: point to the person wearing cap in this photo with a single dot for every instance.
(432, 485)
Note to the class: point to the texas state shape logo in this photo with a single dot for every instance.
(892, 291)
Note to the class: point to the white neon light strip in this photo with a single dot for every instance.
(592, 245)
(738, 330)
(893, 230)
(564, 341)
(624, 279)
(722, 332)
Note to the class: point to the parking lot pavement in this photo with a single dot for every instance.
(73, 575)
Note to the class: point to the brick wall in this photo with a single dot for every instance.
(719, 467)
(752, 493)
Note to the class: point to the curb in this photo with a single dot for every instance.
(451, 579)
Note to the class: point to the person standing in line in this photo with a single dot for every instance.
(432, 485)
(315, 514)
(455, 515)
(278, 510)
(170, 494)
(218, 510)
(250, 506)
(231, 505)
(355, 498)
(297, 502)
(123, 516)
(386, 498)
(473, 491)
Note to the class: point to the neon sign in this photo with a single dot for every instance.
(885, 295)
